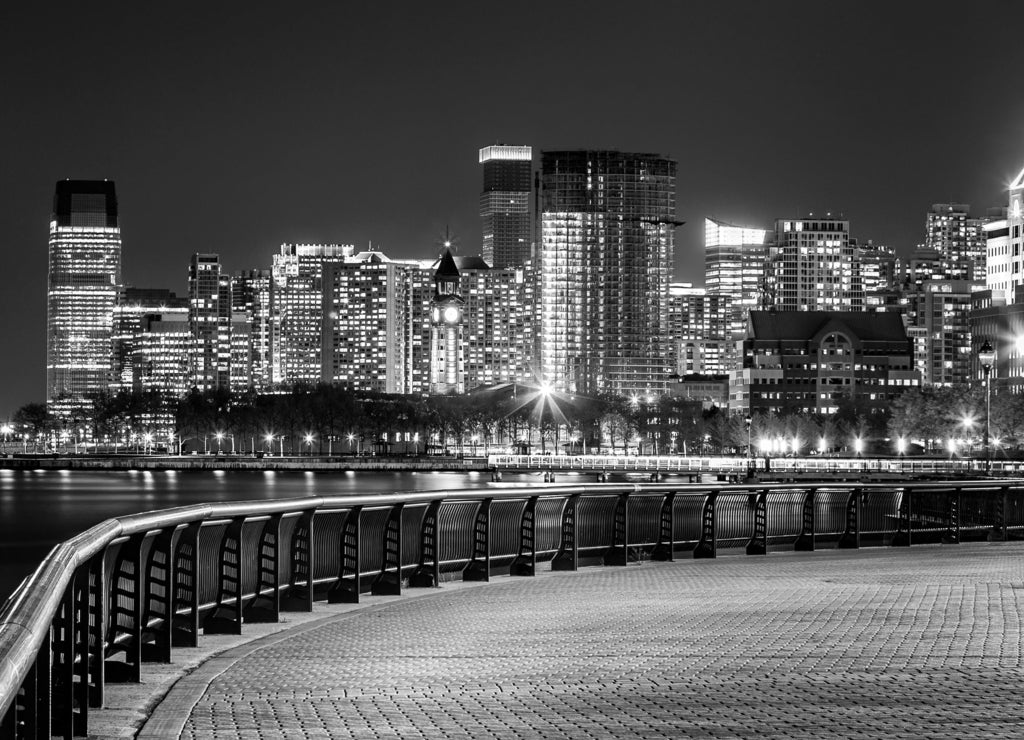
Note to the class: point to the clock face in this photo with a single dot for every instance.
(451, 314)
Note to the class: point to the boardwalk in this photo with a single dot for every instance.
(887, 642)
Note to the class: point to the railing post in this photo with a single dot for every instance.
(428, 572)
(347, 586)
(159, 598)
(618, 553)
(266, 602)
(525, 563)
(952, 535)
(998, 531)
(805, 541)
(707, 546)
(70, 680)
(42, 713)
(758, 544)
(479, 568)
(850, 538)
(185, 627)
(905, 521)
(389, 581)
(299, 597)
(97, 629)
(665, 549)
(567, 557)
(226, 618)
(125, 624)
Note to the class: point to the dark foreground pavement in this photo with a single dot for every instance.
(921, 643)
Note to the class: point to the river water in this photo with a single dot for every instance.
(40, 508)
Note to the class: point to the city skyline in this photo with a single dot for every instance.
(233, 134)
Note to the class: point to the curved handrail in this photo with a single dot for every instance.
(27, 616)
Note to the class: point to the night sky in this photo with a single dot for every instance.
(234, 127)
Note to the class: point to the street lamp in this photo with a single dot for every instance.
(309, 443)
(220, 438)
(747, 420)
(987, 358)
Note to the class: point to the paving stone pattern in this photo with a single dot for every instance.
(920, 643)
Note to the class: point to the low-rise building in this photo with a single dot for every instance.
(816, 361)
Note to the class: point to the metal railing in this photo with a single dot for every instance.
(131, 589)
(727, 465)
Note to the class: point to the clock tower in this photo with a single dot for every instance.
(447, 363)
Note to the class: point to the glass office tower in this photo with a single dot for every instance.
(83, 282)
(607, 238)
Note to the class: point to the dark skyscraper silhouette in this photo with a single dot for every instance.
(505, 204)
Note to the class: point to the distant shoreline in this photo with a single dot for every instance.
(317, 463)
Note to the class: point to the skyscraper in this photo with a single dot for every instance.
(608, 221)
(209, 299)
(734, 260)
(250, 296)
(812, 266)
(83, 282)
(505, 204)
(297, 310)
(960, 239)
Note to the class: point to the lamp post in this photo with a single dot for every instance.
(987, 358)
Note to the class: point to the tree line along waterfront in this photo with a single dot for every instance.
(326, 419)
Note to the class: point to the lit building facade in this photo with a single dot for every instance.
(813, 267)
(364, 334)
(297, 310)
(813, 362)
(734, 260)
(958, 238)
(1001, 323)
(250, 296)
(135, 367)
(940, 311)
(699, 330)
(83, 283)
(999, 262)
(604, 265)
(209, 298)
(505, 207)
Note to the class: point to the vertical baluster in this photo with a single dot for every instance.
(428, 572)
(666, 547)
(805, 541)
(479, 568)
(707, 546)
(567, 557)
(758, 543)
(158, 616)
(97, 628)
(301, 585)
(226, 618)
(850, 538)
(618, 553)
(525, 563)
(186, 585)
(389, 581)
(346, 587)
(265, 605)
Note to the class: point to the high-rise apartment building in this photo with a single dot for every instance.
(209, 297)
(812, 266)
(998, 259)
(699, 331)
(734, 260)
(505, 207)
(958, 238)
(938, 319)
(604, 266)
(365, 310)
(83, 282)
(297, 310)
(250, 296)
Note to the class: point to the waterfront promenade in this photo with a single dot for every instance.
(893, 642)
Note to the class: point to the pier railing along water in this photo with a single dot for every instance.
(131, 589)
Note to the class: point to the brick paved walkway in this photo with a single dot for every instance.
(917, 643)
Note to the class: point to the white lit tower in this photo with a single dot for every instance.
(734, 267)
(83, 282)
(447, 366)
(604, 264)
